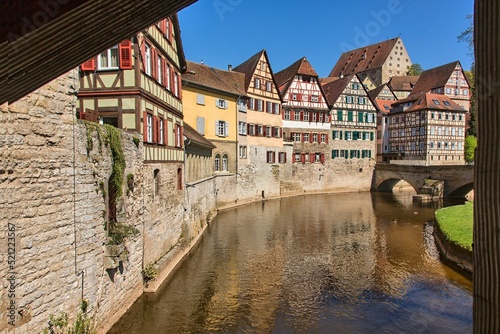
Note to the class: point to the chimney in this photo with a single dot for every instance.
(229, 67)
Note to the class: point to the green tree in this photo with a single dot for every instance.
(468, 37)
(470, 147)
(415, 69)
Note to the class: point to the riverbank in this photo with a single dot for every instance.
(453, 234)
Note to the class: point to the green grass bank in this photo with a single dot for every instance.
(456, 224)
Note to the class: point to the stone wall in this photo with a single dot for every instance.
(52, 198)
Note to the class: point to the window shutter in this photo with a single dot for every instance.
(326, 137)
(346, 155)
(165, 131)
(293, 157)
(322, 158)
(181, 130)
(302, 137)
(155, 129)
(371, 136)
(281, 132)
(264, 130)
(145, 126)
(274, 156)
(226, 129)
(310, 137)
(83, 115)
(172, 80)
(299, 97)
(164, 72)
(125, 51)
(154, 61)
(301, 115)
(248, 129)
(248, 104)
(89, 65)
(163, 26)
(312, 157)
(292, 115)
(303, 157)
(340, 133)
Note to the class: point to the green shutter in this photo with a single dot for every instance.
(349, 116)
(340, 133)
(355, 135)
(371, 136)
(346, 155)
(360, 117)
(339, 115)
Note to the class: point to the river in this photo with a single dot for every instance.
(339, 263)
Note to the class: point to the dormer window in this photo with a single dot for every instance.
(446, 103)
(436, 102)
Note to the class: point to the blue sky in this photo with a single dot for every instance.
(222, 32)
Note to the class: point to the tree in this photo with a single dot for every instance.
(468, 37)
(470, 147)
(486, 247)
(415, 69)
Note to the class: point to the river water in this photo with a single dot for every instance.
(340, 263)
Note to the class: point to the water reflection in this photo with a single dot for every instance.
(348, 263)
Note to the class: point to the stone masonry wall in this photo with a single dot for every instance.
(51, 198)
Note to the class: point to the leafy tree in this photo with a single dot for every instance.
(468, 37)
(415, 69)
(470, 148)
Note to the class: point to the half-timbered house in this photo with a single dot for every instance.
(212, 100)
(353, 121)
(305, 112)
(136, 86)
(429, 128)
(382, 98)
(449, 80)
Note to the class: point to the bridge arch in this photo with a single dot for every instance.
(462, 191)
(389, 184)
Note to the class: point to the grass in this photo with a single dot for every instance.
(456, 224)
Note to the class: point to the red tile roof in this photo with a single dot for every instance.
(208, 77)
(285, 77)
(383, 106)
(363, 59)
(436, 77)
(425, 101)
(333, 89)
(403, 83)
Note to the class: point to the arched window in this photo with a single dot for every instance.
(156, 182)
(217, 163)
(224, 163)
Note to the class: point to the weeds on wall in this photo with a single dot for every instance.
(118, 232)
(59, 324)
(149, 273)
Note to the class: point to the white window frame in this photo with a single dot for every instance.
(109, 55)
(147, 53)
(161, 131)
(221, 128)
(149, 127)
(242, 128)
(159, 69)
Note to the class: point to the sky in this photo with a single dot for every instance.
(223, 32)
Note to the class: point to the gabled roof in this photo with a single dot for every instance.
(403, 83)
(196, 138)
(425, 101)
(285, 77)
(334, 89)
(364, 58)
(375, 93)
(249, 66)
(435, 78)
(383, 106)
(228, 82)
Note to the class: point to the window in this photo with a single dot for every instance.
(217, 163)
(178, 135)
(323, 137)
(148, 59)
(260, 131)
(305, 136)
(314, 116)
(336, 134)
(224, 163)
(315, 138)
(348, 99)
(220, 103)
(369, 117)
(294, 97)
(176, 84)
(242, 106)
(200, 99)
(361, 100)
(268, 131)
(282, 157)
(296, 157)
(296, 137)
(221, 128)
(149, 128)
(366, 135)
(286, 115)
(466, 92)
(306, 116)
(156, 182)
(161, 131)
(259, 105)
(448, 90)
(317, 157)
(167, 75)
(269, 107)
(321, 117)
(243, 152)
(268, 86)
(314, 98)
(335, 154)
(257, 83)
(159, 71)
(276, 108)
(446, 103)
(296, 116)
(348, 135)
(108, 59)
(242, 128)
(271, 157)
(251, 129)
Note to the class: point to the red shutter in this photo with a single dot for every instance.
(170, 30)
(311, 157)
(301, 115)
(165, 131)
(299, 97)
(293, 157)
(83, 115)
(310, 137)
(179, 82)
(264, 130)
(163, 26)
(302, 136)
(172, 81)
(89, 65)
(248, 104)
(145, 126)
(322, 158)
(248, 129)
(292, 115)
(281, 132)
(155, 129)
(164, 72)
(154, 63)
(284, 154)
(274, 157)
(303, 157)
(327, 138)
(125, 51)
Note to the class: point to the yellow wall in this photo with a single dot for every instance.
(210, 112)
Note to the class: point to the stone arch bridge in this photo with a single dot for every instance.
(458, 179)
